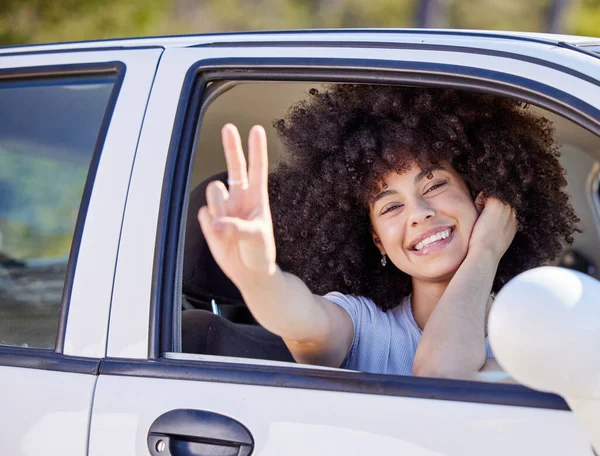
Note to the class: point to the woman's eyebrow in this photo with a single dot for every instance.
(426, 172)
(383, 194)
(418, 178)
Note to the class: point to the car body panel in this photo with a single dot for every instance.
(44, 412)
(87, 323)
(129, 329)
(289, 420)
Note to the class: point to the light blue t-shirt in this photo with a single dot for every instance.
(384, 342)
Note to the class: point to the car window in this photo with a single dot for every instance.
(48, 133)
(215, 319)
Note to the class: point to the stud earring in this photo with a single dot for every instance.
(383, 260)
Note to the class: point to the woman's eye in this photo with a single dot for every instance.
(391, 208)
(435, 186)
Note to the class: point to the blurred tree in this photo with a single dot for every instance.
(584, 18)
(232, 15)
(430, 13)
(555, 15)
(494, 15)
(34, 21)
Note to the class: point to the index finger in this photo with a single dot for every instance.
(234, 156)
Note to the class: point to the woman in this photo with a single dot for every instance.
(406, 208)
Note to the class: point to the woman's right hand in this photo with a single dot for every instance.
(495, 227)
(237, 222)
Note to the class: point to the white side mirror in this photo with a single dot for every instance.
(544, 329)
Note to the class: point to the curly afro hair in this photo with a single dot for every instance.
(340, 143)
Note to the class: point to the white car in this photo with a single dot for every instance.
(102, 145)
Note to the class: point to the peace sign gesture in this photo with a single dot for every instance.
(237, 222)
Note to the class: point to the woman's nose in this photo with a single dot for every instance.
(420, 212)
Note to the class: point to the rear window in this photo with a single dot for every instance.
(48, 133)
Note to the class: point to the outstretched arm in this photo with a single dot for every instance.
(239, 232)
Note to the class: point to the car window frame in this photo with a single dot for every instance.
(330, 69)
(191, 108)
(54, 359)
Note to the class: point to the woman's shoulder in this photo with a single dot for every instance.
(359, 307)
(336, 296)
(350, 299)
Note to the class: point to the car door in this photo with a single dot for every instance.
(69, 125)
(151, 399)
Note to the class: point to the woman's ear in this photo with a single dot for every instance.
(479, 203)
(376, 239)
(377, 242)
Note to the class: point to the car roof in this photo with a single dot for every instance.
(308, 36)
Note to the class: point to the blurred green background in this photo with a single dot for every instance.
(38, 21)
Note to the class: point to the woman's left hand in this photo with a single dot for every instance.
(495, 228)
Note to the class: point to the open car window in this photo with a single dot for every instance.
(215, 320)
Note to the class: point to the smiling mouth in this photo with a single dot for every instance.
(433, 240)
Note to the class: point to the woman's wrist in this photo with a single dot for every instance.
(477, 271)
(484, 252)
(260, 279)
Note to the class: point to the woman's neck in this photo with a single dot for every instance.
(425, 296)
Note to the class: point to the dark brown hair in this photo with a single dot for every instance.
(342, 141)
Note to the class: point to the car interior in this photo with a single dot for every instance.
(215, 321)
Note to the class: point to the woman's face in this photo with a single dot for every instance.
(422, 220)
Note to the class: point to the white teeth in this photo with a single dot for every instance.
(433, 238)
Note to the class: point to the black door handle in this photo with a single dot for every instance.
(198, 433)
